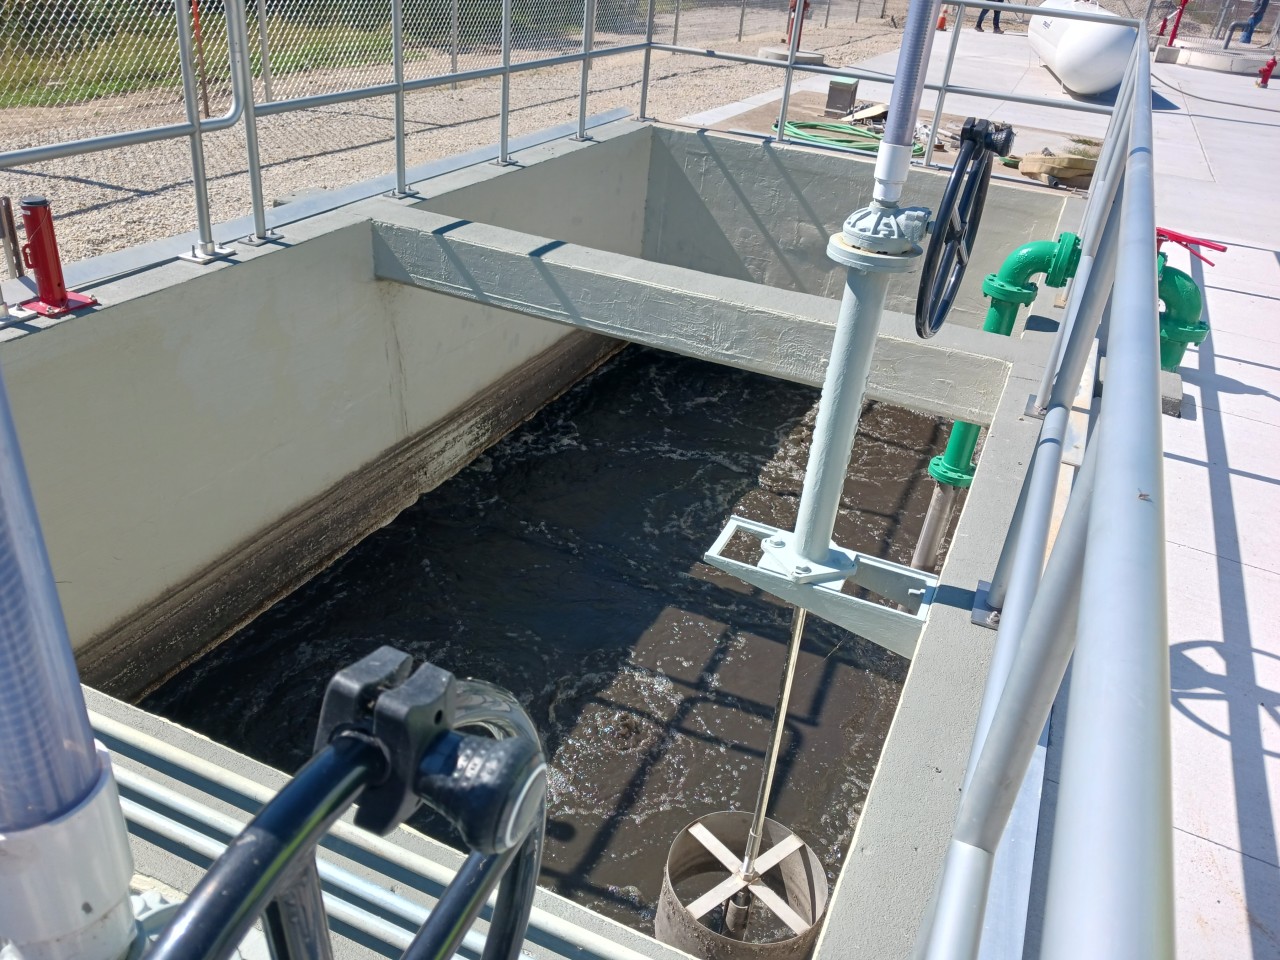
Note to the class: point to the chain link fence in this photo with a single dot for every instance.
(72, 69)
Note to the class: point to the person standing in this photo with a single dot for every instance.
(1255, 18)
(995, 20)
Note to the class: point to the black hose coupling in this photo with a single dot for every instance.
(490, 790)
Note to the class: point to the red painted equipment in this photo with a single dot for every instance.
(942, 19)
(791, 22)
(1177, 22)
(1265, 71)
(40, 254)
(1188, 242)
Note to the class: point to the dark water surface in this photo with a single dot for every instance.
(564, 565)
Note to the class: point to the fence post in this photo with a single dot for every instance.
(742, 18)
(504, 111)
(454, 31)
(827, 20)
(588, 41)
(265, 59)
(675, 29)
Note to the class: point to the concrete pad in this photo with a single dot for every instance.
(1221, 902)
(1226, 744)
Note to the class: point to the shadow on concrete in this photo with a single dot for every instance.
(1238, 684)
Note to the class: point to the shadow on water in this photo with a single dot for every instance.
(564, 564)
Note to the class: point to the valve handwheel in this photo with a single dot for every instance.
(956, 226)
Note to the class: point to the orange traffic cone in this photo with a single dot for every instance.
(942, 19)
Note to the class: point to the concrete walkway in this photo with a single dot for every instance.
(1222, 483)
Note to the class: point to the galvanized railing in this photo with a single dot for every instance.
(247, 53)
(1098, 602)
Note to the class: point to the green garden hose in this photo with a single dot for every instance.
(839, 135)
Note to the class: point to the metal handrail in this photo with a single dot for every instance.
(1102, 597)
(244, 105)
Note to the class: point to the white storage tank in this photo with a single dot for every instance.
(1089, 58)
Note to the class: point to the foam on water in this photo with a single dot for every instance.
(564, 564)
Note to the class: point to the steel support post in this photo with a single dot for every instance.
(942, 93)
(675, 28)
(839, 411)
(588, 42)
(648, 61)
(742, 19)
(793, 44)
(937, 519)
(504, 108)
(204, 249)
(1110, 890)
(1034, 679)
(397, 67)
(827, 21)
(264, 51)
(239, 51)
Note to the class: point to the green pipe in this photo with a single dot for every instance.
(1180, 323)
(1011, 287)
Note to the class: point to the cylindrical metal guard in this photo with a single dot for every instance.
(40, 252)
(799, 880)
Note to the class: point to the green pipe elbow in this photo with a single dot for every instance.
(1181, 325)
(1011, 286)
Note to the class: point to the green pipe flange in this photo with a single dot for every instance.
(1065, 261)
(943, 472)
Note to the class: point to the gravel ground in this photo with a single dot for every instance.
(114, 199)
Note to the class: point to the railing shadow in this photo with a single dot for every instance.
(1238, 683)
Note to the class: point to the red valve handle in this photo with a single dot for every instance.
(1188, 242)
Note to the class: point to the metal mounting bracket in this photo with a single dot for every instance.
(983, 614)
(818, 587)
(195, 255)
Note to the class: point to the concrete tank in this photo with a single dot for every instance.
(1089, 58)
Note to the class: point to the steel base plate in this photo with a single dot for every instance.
(819, 588)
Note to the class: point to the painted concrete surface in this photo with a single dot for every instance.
(1222, 478)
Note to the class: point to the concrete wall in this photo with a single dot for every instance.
(758, 211)
(189, 442)
(594, 194)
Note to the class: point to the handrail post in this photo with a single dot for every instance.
(397, 66)
(648, 61)
(793, 44)
(1110, 889)
(504, 109)
(239, 50)
(205, 249)
(588, 42)
(946, 82)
